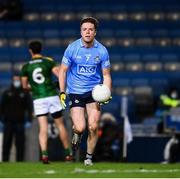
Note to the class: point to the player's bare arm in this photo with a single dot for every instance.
(62, 77)
(107, 77)
(25, 83)
(55, 71)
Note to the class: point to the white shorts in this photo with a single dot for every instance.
(47, 105)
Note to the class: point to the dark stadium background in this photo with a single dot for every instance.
(143, 40)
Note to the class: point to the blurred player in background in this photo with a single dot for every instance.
(81, 66)
(37, 72)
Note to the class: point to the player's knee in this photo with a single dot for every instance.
(92, 127)
(79, 129)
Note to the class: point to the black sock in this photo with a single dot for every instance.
(89, 156)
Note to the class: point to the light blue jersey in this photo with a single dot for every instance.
(85, 66)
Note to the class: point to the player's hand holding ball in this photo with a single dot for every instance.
(101, 94)
(63, 99)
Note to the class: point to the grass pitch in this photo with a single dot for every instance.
(98, 170)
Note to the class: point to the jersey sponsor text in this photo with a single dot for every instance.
(86, 69)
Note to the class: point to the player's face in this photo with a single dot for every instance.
(88, 33)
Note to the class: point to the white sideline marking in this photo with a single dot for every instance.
(81, 170)
(50, 172)
(151, 171)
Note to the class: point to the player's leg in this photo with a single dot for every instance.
(55, 109)
(79, 125)
(41, 112)
(93, 111)
(77, 109)
(63, 134)
(43, 137)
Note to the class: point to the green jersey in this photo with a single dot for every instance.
(39, 73)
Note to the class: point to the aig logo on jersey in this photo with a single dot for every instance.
(86, 69)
